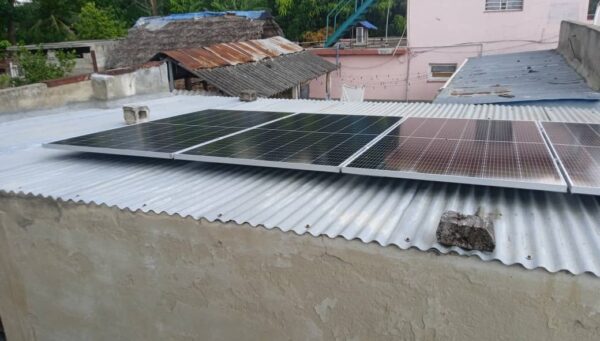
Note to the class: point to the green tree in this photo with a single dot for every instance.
(4, 44)
(97, 23)
(36, 67)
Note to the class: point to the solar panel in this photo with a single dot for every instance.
(480, 152)
(577, 146)
(163, 137)
(304, 141)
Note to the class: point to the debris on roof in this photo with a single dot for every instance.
(148, 37)
(269, 66)
(470, 232)
(516, 77)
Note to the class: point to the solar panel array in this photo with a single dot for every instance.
(304, 141)
(578, 148)
(163, 137)
(480, 152)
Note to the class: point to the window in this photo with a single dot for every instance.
(503, 5)
(441, 72)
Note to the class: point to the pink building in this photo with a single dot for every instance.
(441, 35)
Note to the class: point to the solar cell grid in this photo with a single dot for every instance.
(484, 152)
(223, 118)
(578, 148)
(163, 137)
(303, 141)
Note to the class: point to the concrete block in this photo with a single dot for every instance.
(470, 232)
(134, 114)
(248, 95)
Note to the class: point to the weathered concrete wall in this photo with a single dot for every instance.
(76, 272)
(580, 45)
(140, 82)
(40, 96)
(100, 87)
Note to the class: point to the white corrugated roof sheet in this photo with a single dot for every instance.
(535, 229)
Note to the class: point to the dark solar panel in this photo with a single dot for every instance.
(161, 138)
(482, 152)
(304, 141)
(578, 148)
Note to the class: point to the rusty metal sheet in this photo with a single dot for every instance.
(205, 58)
(281, 44)
(229, 54)
(261, 48)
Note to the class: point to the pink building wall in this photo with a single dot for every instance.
(436, 27)
(383, 76)
(449, 31)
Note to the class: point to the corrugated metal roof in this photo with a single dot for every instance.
(269, 77)
(228, 54)
(516, 77)
(269, 66)
(535, 229)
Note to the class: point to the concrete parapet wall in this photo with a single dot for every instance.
(100, 87)
(40, 96)
(139, 82)
(84, 272)
(580, 45)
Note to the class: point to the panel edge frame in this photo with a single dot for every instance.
(555, 157)
(457, 179)
(258, 163)
(109, 151)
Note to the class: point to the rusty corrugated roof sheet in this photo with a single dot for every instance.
(269, 66)
(229, 54)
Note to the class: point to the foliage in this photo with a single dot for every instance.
(316, 36)
(5, 81)
(36, 67)
(398, 25)
(58, 20)
(4, 44)
(97, 23)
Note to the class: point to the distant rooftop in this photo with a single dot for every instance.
(269, 66)
(152, 35)
(517, 77)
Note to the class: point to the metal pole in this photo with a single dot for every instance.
(387, 21)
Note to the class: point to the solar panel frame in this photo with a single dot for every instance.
(574, 186)
(460, 179)
(282, 164)
(155, 154)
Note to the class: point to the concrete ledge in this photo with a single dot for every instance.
(69, 270)
(78, 89)
(579, 44)
(40, 96)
